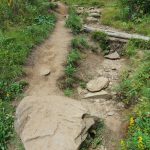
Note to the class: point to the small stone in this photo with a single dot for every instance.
(102, 94)
(95, 15)
(120, 105)
(81, 91)
(94, 11)
(111, 113)
(113, 56)
(45, 71)
(97, 84)
(91, 20)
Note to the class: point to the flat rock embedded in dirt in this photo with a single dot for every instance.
(113, 56)
(91, 20)
(52, 123)
(111, 113)
(102, 94)
(94, 11)
(97, 84)
(45, 71)
(95, 15)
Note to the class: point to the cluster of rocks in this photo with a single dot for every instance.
(99, 90)
(93, 14)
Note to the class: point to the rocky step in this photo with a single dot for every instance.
(102, 94)
(52, 123)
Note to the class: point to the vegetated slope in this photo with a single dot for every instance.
(24, 24)
(134, 85)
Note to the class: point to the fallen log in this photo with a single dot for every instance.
(116, 34)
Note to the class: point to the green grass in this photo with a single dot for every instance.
(68, 92)
(102, 39)
(70, 70)
(19, 34)
(74, 21)
(134, 90)
(87, 3)
(111, 16)
(80, 42)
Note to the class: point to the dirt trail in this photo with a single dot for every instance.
(46, 66)
(49, 57)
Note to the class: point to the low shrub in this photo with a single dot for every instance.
(73, 57)
(138, 133)
(6, 124)
(68, 92)
(133, 87)
(102, 39)
(9, 91)
(79, 43)
(86, 3)
(133, 9)
(70, 70)
(74, 22)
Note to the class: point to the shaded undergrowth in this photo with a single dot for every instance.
(94, 138)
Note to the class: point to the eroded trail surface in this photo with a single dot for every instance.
(46, 62)
(103, 103)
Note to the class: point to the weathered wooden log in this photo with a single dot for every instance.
(116, 34)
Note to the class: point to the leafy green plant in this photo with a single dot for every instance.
(138, 134)
(79, 42)
(132, 9)
(68, 92)
(94, 138)
(74, 22)
(11, 91)
(130, 49)
(73, 57)
(6, 124)
(102, 39)
(70, 70)
(24, 24)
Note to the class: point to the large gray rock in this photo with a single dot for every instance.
(97, 84)
(52, 123)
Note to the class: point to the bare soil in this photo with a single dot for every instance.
(51, 56)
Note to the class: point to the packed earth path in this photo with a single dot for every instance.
(46, 62)
(45, 120)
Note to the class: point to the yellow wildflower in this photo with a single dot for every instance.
(132, 121)
(10, 2)
(140, 143)
(123, 145)
(8, 95)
